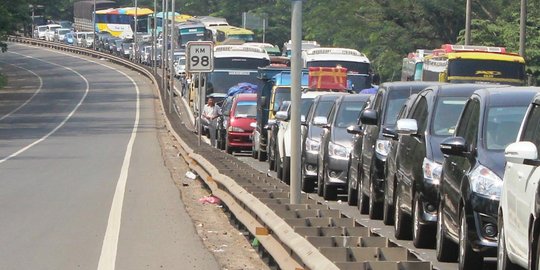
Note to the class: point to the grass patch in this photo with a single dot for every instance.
(3, 80)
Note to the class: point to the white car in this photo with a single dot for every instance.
(519, 208)
(60, 33)
(180, 64)
(40, 31)
(49, 33)
(283, 142)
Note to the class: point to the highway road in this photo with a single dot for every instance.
(82, 180)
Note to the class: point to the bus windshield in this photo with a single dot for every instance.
(221, 81)
(472, 70)
(244, 37)
(355, 67)
(240, 63)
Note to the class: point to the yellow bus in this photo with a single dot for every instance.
(227, 34)
(120, 22)
(472, 64)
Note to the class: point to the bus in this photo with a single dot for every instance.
(474, 64)
(233, 64)
(413, 64)
(306, 45)
(192, 31)
(210, 21)
(227, 34)
(83, 12)
(120, 22)
(178, 18)
(357, 64)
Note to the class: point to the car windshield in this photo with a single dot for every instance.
(306, 105)
(90, 36)
(221, 81)
(281, 94)
(63, 32)
(246, 109)
(348, 113)
(502, 125)
(447, 112)
(323, 108)
(394, 103)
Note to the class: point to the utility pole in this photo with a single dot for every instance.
(135, 33)
(165, 45)
(171, 67)
(468, 23)
(522, 28)
(154, 39)
(94, 26)
(296, 95)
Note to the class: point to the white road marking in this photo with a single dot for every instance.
(30, 98)
(109, 249)
(107, 259)
(65, 119)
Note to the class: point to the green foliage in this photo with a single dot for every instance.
(13, 16)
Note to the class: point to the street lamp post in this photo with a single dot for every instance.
(94, 26)
(171, 62)
(135, 33)
(296, 95)
(468, 23)
(154, 39)
(522, 28)
(165, 19)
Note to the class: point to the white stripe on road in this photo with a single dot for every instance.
(65, 119)
(30, 98)
(109, 249)
(107, 259)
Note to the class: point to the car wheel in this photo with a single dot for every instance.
(503, 262)
(352, 194)
(445, 249)
(375, 208)
(307, 184)
(254, 153)
(261, 156)
(271, 159)
(329, 192)
(468, 259)
(402, 224)
(422, 235)
(287, 170)
(228, 148)
(320, 182)
(388, 209)
(363, 204)
(277, 166)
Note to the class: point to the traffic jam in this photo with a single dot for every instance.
(448, 155)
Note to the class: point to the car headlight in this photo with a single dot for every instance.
(312, 145)
(235, 129)
(337, 150)
(432, 171)
(382, 147)
(486, 183)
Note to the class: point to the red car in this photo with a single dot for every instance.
(243, 113)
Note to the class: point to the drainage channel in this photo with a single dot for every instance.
(345, 242)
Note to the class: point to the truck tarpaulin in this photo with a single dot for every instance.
(328, 78)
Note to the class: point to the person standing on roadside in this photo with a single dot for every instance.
(210, 114)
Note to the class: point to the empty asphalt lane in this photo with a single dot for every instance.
(56, 196)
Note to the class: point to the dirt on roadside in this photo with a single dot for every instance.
(230, 246)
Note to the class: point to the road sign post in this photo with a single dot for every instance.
(200, 59)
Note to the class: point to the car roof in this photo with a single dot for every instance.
(355, 97)
(314, 94)
(405, 86)
(246, 96)
(508, 96)
(459, 90)
(332, 96)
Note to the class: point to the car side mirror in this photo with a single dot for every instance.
(354, 129)
(270, 123)
(327, 126)
(454, 146)
(303, 120)
(521, 152)
(406, 127)
(282, 115)
(320, 121)
(369, 117)
(253, 124)
(390, 134)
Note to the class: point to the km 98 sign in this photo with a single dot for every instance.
(200, 56)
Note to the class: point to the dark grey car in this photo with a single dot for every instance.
(336, 144)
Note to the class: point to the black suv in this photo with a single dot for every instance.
(432, 118)
(472, 172)
(383, 114)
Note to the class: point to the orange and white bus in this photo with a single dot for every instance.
(120, 22)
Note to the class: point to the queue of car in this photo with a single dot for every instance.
(451, 166)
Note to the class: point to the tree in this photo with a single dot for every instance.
(13, 16)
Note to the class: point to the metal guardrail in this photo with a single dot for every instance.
(301, 236)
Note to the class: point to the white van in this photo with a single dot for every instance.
(49, 32)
